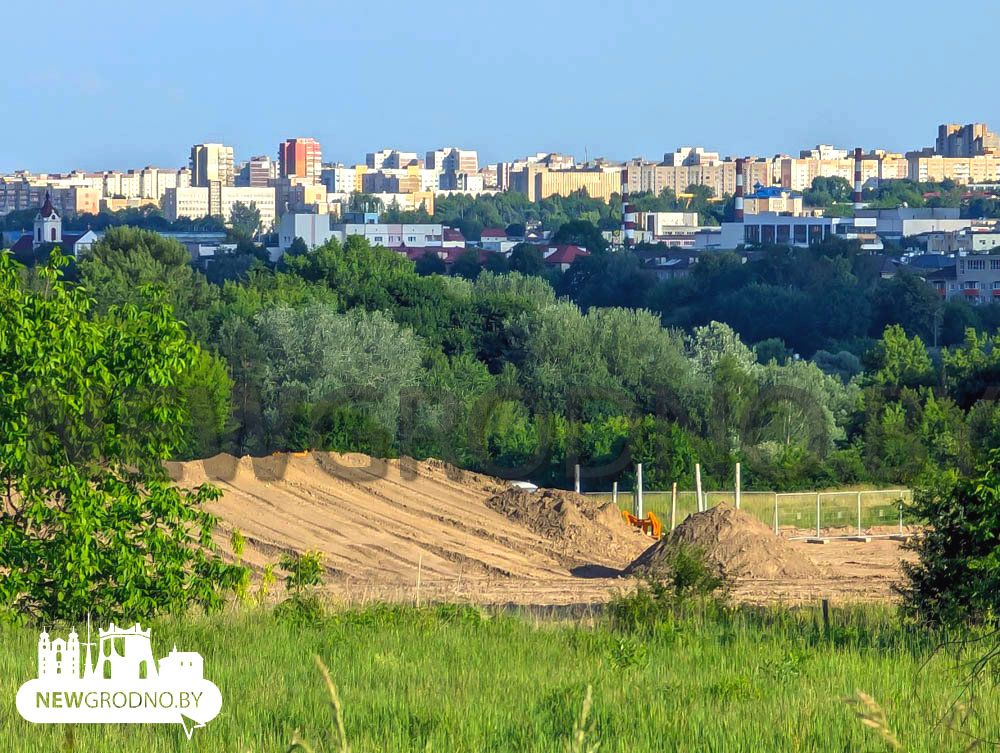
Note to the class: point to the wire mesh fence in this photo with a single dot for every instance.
(827, 514)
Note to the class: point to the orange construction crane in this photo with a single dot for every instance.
(650, 524)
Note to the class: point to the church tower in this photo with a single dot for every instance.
(48, 224)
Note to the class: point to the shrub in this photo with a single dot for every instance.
(305, 573)
(685, 577)
(957, 576)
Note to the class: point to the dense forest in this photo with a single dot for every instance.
(805, 365)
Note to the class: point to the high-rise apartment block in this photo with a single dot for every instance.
(452, 159)
(971, 140)
(211, 163)
(300, 158)
(257, 172)
(392, 159)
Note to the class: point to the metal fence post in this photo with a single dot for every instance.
(859, 513)
(737, 486)
(901, 515)
(576, 478)
(638, 485)
(817, 515)
(697, 480)
(614, 493)
(673, 507)
(776, 513)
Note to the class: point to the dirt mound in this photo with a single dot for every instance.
(736, 543)
(585, 531)
(387, 524)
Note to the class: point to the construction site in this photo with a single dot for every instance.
(409, 531)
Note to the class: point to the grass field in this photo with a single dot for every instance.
(838, 509)
(452, 679)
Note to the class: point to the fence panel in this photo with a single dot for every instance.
(840, 513)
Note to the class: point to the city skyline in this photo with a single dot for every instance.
(509, 81)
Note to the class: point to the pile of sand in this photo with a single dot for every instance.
(735, 543)
(581, 529)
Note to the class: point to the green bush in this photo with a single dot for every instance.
(684, 578)
(957, 576)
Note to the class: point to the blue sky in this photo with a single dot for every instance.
(107, 84)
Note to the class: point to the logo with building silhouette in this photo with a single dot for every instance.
(117, 680)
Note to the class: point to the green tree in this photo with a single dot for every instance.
(907, 300)
(298, 247)
(319, 361)
(90, 523)
(526, 259)
(244, 219)
(207, 390)
(898, 361)
(430, 264)
(467, 265)
(126, 260)
(581, 233)
(957, 575)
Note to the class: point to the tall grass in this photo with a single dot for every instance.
(455, 679)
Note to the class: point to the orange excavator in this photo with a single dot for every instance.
(649, 525)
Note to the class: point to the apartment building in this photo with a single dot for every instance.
(400, 180)
(391, 235)
(891, 165)
(718, 177)
(340, 178)
(300, 158)
(453, 159)
(799, 174)
(924, 166)
(212, 163)
(971, 140)
(975, 277)
(539, 182)
(489, 176)
(553, 161)
(390, 158)
(295, 194)
(257, 172)
(824, 152)
(21, 194)
(195, 202)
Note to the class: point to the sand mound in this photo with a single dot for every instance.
(581, 528)
(736, 543)
(378, 523)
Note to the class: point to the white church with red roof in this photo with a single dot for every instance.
(48, 232)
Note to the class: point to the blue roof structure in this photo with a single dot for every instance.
(770, 192)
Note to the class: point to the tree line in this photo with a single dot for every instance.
(786, 363)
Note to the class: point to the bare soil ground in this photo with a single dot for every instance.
(384, 526)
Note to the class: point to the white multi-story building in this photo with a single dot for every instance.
(453, 159)
(390, 158)
(195, 202)
(392, 235)
(313, 229)
(339, 179)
